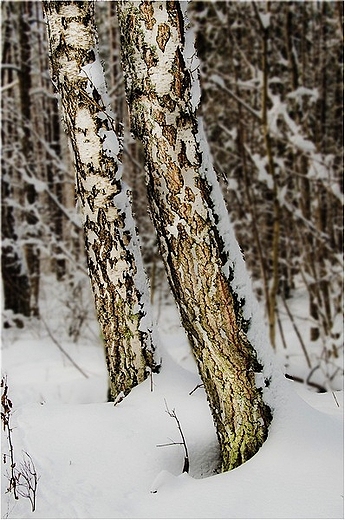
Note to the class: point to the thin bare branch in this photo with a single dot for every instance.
(59, 346)
(183, 443)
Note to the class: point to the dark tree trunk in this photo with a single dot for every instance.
(16, 289)
(32, 253)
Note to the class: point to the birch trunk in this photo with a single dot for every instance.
(113, 254)
(184, 212)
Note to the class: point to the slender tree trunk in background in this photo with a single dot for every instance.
(250, 197)
(16, 289)
(32, 253)
(113, 254)
(185, 216)
(275, 226)
(16, 292)
(59, 263)
(55, 179)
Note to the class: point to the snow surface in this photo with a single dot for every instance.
(96, 460)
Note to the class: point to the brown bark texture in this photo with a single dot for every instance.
(113, 254)
(158, 89)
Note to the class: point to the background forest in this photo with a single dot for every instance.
(272, 100)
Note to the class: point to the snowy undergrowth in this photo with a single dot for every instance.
(324, 371)
(99, 461)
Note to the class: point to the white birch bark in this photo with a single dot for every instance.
(113, 254)
(191, 231)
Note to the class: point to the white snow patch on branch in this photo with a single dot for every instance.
(95, 74)
(265, 19)
(173, 229)
(110, 142)
(298, 94)
(260, 163)
(303, 144)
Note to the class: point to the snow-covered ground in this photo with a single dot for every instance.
(97, 460)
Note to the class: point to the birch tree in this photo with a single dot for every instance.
(188, 212)
(296, 77)
(113, 254)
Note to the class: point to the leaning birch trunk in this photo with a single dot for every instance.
(112, 247)
(183, 207)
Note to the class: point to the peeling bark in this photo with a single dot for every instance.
(113, 254)
(158, 89)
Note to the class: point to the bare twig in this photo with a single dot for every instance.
(9, 85)
(63, 350)
(336, 400)
(311, 373)
(172, 443)
(23, 481)
(297, 332)
(220, 85)
(28, 480)
(6, 409)
(281, 328)
(201, 385)
(321, 389)
(120, 397)
(183, 443)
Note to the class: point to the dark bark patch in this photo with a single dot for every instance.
(181, 83)
(174, 177)
(167, 102)
(159, 116)
(182, 156)
(189, 194)
(147, 10)
(176, 18)
(169, 132)
(163, 36)
(150, 57)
